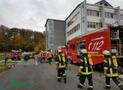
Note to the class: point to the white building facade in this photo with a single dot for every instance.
(55, 33)
(89, 17)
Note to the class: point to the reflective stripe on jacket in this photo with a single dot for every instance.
(86, 65)
(61, 61)
(110, 66)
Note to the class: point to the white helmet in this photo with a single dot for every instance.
(84, 51)
(59, 51)
(106, 52)
(113, 51)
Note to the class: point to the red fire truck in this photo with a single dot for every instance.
(96, 42)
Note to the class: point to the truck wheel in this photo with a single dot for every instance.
(71, 62)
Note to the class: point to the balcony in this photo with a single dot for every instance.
(115, 35)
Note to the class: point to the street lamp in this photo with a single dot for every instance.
(12, 46)
(12, 39)
(32, 38)
(6, 46)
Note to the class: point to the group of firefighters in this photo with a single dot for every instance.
(46, 56)
(41, 57)
(85, 68)
(110, 66)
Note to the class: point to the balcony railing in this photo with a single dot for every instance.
(115, 35)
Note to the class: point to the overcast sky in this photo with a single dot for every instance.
(32, 14)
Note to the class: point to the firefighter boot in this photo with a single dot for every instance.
(80, 86)
(121, 87)
(59, 79)
(89, 88)
(65, 80)
(107, 87)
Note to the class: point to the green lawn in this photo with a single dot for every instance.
(9, 62)
(2, 56)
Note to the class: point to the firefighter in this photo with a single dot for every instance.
(85, 69)
(61, 65)
(110, 69)
(26, 57)
(43, 56)
(49, 56)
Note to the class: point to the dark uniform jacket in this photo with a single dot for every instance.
(86, 65)
(61, 61)
(110, 66)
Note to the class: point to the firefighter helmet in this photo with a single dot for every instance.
(113, 51)
(106, 52)
(59, 51)
(84, 51)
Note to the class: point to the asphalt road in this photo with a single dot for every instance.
(43, 77)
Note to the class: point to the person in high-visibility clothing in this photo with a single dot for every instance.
(85, 69)
(61, 65)
(110, 69)
(49, 56)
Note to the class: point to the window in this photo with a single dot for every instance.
(94, 25)
(88, 24)
(98, 13)
(121, 16)
(51, 40)
(109, 15)
(69, 23)
(93, 13)
(73, 30)
(74, 18)
(105, 4)
(100, 25)
(88, 12)
(91, 25)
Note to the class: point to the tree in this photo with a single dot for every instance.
(20, 39)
